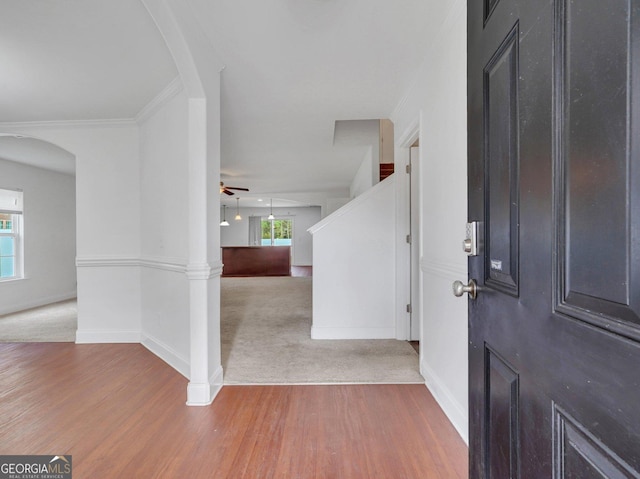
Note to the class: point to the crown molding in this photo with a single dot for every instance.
(161, 99)
(114, 123)
(170, 91)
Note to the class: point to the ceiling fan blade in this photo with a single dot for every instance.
(227, 192)
(236, 188)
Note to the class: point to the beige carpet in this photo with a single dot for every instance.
(265, 329)
(53, 323)
(266, 324)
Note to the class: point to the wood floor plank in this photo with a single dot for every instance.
(120, 412)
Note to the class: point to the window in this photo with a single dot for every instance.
(277, 232)
(10, 234)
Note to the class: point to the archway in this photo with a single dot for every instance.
(38, 237)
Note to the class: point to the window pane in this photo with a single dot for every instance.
(7, 246)
(282, 232)
(7, 269)
(266, 230)
(6, 223)
(282, 229)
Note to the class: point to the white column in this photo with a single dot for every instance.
(200, 73)
(205, 381)
(204, 278)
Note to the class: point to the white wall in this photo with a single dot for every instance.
(164, 232)
(365, 176)
(354, 268)
(49, 225)
(237, 233)
(387, 143)
(334, 204)
(132, 232)
(438, 102)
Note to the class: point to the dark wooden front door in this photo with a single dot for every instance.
(554, 179)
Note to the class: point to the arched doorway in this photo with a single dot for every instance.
(37, 240)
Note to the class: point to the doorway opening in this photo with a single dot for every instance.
(37, 241)
(408, 293)
(414, 244)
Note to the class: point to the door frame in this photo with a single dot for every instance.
(403, 228)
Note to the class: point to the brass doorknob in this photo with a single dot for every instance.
(459, 288)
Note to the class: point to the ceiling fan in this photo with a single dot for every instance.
(226, 189)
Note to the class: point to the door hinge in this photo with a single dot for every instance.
(409, 239)
(408, 169)
(409, 308)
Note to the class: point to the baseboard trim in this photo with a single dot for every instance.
(443, 396)
(38, 302)
(353, 333)
(199, 394)
(217, 381)
(167, 354)
(97, 336)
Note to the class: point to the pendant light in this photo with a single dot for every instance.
(238, 217)
(271, 217)
(224, 221)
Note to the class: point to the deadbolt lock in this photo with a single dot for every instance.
(470, 244)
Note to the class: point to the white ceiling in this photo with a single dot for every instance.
(38, 153)
(79, 60)
(292, 68)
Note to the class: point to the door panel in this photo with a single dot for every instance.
(580, 455)
(595, 161)
(554, 178)
(502, 394)
(501, 172)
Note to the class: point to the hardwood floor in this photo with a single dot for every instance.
(120, 412)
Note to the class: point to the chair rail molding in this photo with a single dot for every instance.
(100, 261)
(171, 264)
